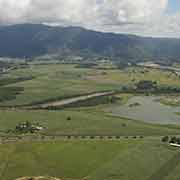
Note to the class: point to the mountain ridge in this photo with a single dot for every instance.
(31, 40)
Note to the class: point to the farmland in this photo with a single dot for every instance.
(60, 81)
(90, 160)
(87, 140)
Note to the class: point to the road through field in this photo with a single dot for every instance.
(61, 103)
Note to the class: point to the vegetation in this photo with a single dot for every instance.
(165, 139)
(146, 85)
(84, 141)
(173, 100)
(56, 81)
(85, 121)
(90, 159)
(69, 41)
(89, 102)
(7, 81)
(9, 93)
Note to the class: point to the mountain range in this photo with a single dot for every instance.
(31, 40)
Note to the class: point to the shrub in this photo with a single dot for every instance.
(124, 125)
(173, 140)
(165, 139)
(68, 118)
(178, 140)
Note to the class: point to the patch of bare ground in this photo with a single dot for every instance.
(38, 178)
(47, 178)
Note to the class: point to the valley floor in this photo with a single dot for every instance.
(91, 160)
(86, 141)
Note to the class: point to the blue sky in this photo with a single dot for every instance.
(174, 6)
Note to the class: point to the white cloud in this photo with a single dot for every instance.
(144, 17)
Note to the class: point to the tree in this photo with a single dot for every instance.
(165, 139)
(178, 140)
(124, 125)
(173, 140)
(68, 118)
(28, 125)
(146, 85)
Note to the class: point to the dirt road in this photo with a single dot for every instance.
(61, 103)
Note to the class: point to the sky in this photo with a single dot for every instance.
(173, 6)
(157, 18)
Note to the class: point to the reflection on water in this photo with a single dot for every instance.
(148, 109)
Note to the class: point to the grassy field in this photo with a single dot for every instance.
(52, 81)
(83, 121)
(146, 161)
(128, 158)
(71, 160)
(91, 160)
(59, 81)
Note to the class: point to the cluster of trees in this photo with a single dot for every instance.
(168, 89)
(9, 93)
(102, 137)
(86, 65)
(7, 81)
(173, 139)
(147, 86)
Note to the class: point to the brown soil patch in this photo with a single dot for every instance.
(38, 178)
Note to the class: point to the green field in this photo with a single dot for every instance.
(91, 160)
(60, 81)
(84, 121)
(137, 153)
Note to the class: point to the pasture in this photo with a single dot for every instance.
(85, 121)
(90, 160)
(123, 158)
(58, 81)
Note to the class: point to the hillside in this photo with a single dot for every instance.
(29, 40)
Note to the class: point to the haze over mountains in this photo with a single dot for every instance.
(30, 40)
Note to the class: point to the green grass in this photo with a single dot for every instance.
(72, 159)
(148, 161)
(83, 121)
(52, 81)
(58, 81)
(124, 159)
(95, 160)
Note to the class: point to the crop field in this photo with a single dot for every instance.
(91, 160)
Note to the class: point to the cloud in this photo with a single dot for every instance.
(144, 17)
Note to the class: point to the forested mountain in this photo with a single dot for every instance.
(29, 40)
